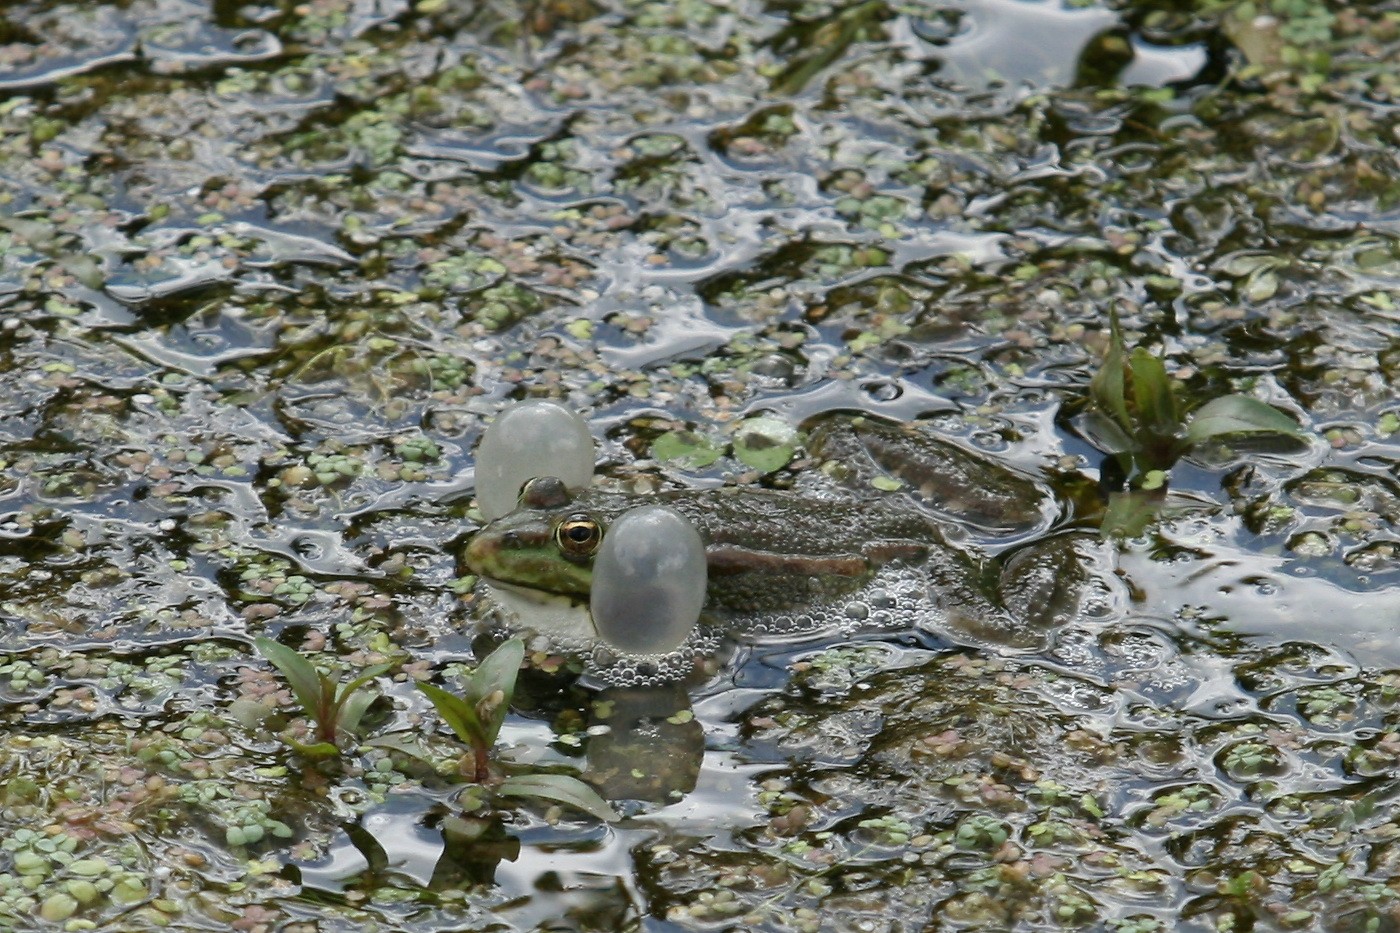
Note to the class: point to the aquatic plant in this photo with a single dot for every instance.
(1140, 419)
(1137, 416)
(476, 718)
(335, 709)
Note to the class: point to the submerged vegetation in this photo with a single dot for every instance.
(267, 269)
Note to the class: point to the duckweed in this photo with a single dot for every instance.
(266, 272)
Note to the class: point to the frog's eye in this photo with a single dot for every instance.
(543, 492)
(578, 535)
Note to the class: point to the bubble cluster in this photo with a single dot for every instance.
(898, 598)
(701, 651)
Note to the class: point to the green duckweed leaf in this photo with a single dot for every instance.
(765, 444)
(1239, 414)
(249, 714)
(559, 788)
(687, 449)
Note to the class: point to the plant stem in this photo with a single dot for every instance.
(481, 755)
(326, 722)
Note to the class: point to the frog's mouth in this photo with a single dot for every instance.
(529, 594)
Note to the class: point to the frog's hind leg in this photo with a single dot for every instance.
(1062, 580)
(946, 480)
(965, 612)
(1022, 601)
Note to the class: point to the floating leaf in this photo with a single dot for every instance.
(687, 449)
(1243, 264)
(1154, 479)
(559, 788)
(1239, 414)
(250, 714)
(765, 444)
(1261, 287)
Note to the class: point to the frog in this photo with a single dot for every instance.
(788, 564)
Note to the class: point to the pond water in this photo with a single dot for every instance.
(267, 269)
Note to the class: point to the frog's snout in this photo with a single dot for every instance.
(480, 549)
(491, 551)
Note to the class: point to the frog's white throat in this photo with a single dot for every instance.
(562, 618)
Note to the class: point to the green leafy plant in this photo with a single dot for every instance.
(477, 716)
(334, 709)
(1136, 415)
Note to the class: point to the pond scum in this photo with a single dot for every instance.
(266, 269)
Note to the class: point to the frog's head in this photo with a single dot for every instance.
(546, 544)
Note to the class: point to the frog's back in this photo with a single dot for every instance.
(770, 550)
(789, 522)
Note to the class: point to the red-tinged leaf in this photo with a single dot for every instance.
(301, 674)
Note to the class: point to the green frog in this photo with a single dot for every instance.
(787, 564)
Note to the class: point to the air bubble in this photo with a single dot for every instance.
(648, 581)
(527, 440)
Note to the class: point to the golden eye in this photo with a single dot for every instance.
(578, 535)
